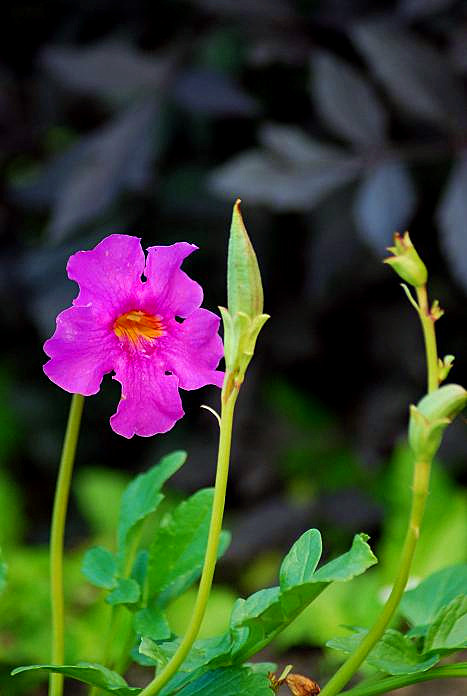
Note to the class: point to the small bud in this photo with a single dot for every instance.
(436, 312)
(432, 415)
(406, 262)
(244, 288)
(444, 367)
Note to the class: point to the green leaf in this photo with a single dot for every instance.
(262, 667)
(151, 622)
(301, 561)
(230, 681)
(255, 621)
(127, 591)
(140, 567)
(345, 567)
(421, 605)
(142, 496)
(3, 572)
(177, 554)
(258, 619)
(448, 632)
(156, 654)
(100, 567)
(88, 673)
(394, 653)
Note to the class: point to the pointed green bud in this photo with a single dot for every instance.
(244, 288)
(430, 418)
(406, 262)
(444, 367)
(244, 318)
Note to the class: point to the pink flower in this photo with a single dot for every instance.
(124, 324)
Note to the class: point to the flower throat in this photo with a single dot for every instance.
(136, 325)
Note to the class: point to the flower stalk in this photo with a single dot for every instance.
(56, 540)
(243, 320)
(440, 406)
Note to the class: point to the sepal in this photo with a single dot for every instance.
(406, 262)
(445, 366)
(432, 415)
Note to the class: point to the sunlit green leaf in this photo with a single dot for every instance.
(230, 681)
(143, 495)
(421, 605)
(177, 553)
(301, 561)
(88, 673)
(151, 622)
(394, 653)
(100, 567)
(127, 591)
(448, 632)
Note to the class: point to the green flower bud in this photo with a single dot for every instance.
(244, 318)
(432, 415)
(244, 288)
(445, 366)
(406, 262)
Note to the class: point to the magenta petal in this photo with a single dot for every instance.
(192, 350)
(82, 350)
(172, 291)
(109, 276)
(150, 400)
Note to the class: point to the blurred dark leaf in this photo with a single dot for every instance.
(346, 102)
(292, 173)
(43, 189)
(111, 69)
(268, 11)
(332, 255)
(384, 204)
(212, 93)
(417, 9)
(452, 219)
(115, 158)
(416, 75)
(458, 48)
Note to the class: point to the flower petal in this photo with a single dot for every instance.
(82, 350)
(172, 291)
(109, 276)
(150, 400)
(192, 350)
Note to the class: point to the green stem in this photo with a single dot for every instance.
(56, 540)
(116, 613)
(429, 335)
(229, 398)
(397, 682)
(421, 479)
(351, 665)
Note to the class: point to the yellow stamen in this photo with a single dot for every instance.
(136, 325)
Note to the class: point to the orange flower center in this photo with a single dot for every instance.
(137, 325)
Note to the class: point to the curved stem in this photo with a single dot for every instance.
(397, 682)
(421, 479)
(56, 540)
(228, 405)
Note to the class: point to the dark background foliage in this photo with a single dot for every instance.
(337, 123)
